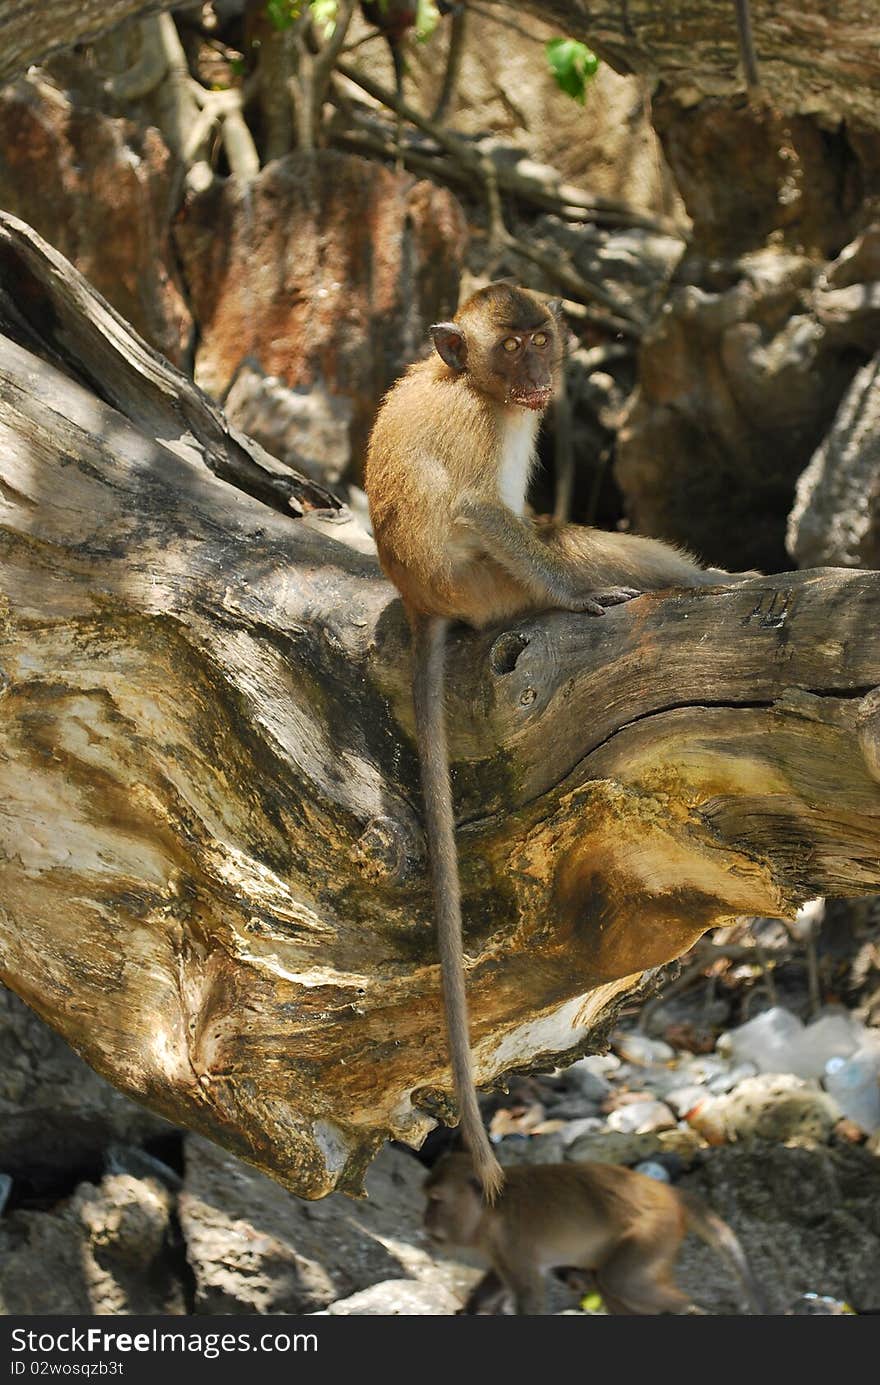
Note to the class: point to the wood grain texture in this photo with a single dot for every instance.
(211, 859)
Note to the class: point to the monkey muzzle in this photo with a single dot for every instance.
(532, 399)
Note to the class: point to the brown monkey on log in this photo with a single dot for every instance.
(448, 466)
(622, 1226)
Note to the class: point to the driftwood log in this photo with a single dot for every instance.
(212, 869)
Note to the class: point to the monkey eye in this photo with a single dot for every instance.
(540, 339)
(511, 344)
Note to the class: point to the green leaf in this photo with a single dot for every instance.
(573, 65)
(427, 19)
(324, 15)
(283, 13)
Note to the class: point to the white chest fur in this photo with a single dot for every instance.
(519, 432)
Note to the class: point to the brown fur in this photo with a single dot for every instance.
(449, 446)
(619, 1225)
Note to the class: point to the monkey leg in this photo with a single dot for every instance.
(636, 1279)
(525, 1282)
(490, 1295)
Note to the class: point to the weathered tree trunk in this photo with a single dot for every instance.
(211, 862)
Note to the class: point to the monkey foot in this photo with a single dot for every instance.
(594, 603)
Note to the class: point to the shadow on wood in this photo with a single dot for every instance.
(211, 861)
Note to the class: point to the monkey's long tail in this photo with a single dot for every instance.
(716, 1233)
(429, 669)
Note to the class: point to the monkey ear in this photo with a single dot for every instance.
(450, 344)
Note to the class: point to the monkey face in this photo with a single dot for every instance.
(508, 344)
(523, 364)
(454, 1206)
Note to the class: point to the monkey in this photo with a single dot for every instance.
(448, 464)
(621, 1226)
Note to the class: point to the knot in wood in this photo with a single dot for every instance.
(520, 667)
(382, 852)
(868, 723)
(506, 650)
(435, 1102)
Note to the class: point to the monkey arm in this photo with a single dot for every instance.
(543, 570)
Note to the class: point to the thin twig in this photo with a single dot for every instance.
(452, 71)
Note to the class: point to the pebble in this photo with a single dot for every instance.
(639, 1049)
(641, 1118)
(685, 1099)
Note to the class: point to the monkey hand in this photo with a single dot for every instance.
(593, 603)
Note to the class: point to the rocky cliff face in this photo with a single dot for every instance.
(323, 275)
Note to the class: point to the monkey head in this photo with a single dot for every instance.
(455, 1205)
(506, 343)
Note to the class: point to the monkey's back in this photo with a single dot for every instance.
(576, 1214)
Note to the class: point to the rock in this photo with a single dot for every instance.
(108, 1250)
(633, 265)
(397, 1298)
(573, 1107)
(590, 1125)
(808, 1219)
(794, 173)
(592, 1085)
(534, 1149)
(641, 1117)
(309, 430)
(738, 387)
(255, 1248)
(324, 274)
(639, 1049)
(101, 191)
(517, 1120)
(56, 1114)
(771, 1106)
(835, 520)
(5, 1190)
(607, 145)
(684, 1099)
(726, 1081)
(614, 1147)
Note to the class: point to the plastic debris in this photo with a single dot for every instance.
(777, 1041)
(651, 1169)
(821, 1303)
(855, 1085)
